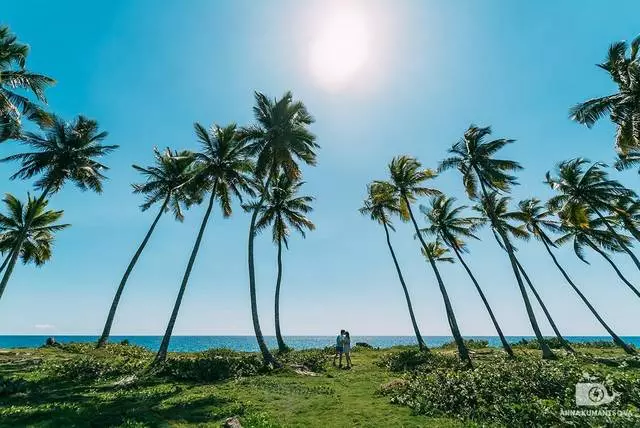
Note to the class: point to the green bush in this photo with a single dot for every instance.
(212, 365)
(470, 343)
(10, 386)
(412, 359)
(91, 368)
(313, 359)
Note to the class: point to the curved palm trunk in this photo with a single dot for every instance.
(616, 339)
(416, 330)
(618, 238)
(563, 341)
(503, 340)
(282, 347)
(116, 299)
(613, 265)
(546, 351)
(164, 345)
(266, 354)
(453, 324)
(6, 261)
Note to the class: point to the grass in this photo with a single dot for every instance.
(334, 397)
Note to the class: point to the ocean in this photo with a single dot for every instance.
(248, 343)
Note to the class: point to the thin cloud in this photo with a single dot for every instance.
(44, 326)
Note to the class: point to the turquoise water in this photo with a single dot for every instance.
(248, 343)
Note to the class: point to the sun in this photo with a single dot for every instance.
(340, 49)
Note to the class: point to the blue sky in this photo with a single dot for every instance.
(147, 72)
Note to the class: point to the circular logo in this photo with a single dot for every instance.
(597, 394)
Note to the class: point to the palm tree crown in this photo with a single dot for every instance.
(436, 252)
(382, 201)
(536, 219)
(407, 177)
(472, 156)
(446, 222)
(496, 209)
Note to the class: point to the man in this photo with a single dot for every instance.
(339, 340)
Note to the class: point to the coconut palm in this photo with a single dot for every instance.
(284, 209)
(579, 227)
(623, 106)
(166, 183)
(407, 178)
(64, 152)
(14, 75)
(279, 139)
(473, 157)
(447, 223)
(593, 188)
(628, 160)
(625, 214)
(495, 209)
(536, 218)
(223, 169)
(382, 202)
(27, 231)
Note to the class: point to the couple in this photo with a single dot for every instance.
(343, 346)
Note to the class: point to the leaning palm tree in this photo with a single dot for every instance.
(580, 228)
(382, 202)
(495, 209)
(536, 218)
(623, 106)
(27, 231)
(284, 209)
(65, 152)
(14, 75)
(628, 160)
(447, 223)
(625, 213)
(407, 178)
(593, 188)
(279, 139)
(223, 169)
(166, 182)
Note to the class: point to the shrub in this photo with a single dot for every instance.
(470, 343)
(412, 359)
(364, 345)
(312, 359)
(212, 365)
(10, 386)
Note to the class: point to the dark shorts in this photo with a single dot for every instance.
(338, 349)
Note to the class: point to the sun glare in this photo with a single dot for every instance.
(340, 49)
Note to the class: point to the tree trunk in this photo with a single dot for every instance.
(546, 351)
(6, 261)
(618, 238)
(616, 339)
(114, 305)
(565, 344)
(613, 265)
(161, 356)
(266, 354)
(453, 324)
(282, 347)
(416, 330)
(503, 340)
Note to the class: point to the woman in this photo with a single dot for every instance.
(346, 348)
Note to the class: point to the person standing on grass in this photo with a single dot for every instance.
(346, 349)
(339, 339)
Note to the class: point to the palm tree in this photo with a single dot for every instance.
(578, 226)
(536, 219)
(14, 75)
(495, 209)
(381, 203)
(278, 140)
(623, 106)
(165, 182)
(592, 188)
(407, 178)
(65, 152)
(284, 209)
(223, 167)
(625, 214)
(27, 231)
(628, 160)
(446, 222)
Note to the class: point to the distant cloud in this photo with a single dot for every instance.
(44, 326)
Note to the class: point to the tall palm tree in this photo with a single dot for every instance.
(284, 209)
(166, 183)
(495, 209)
(623, 106)
(628, 160)
(279, 139)
(14, 75)
(447, 223)
(536, 218)
(578, 226)
(27, 231)
(591, 187)
(223, 169)
(625, 214)
(407, 178)
(381, 203)
(65, 152)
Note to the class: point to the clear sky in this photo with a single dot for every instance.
(410, 76)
